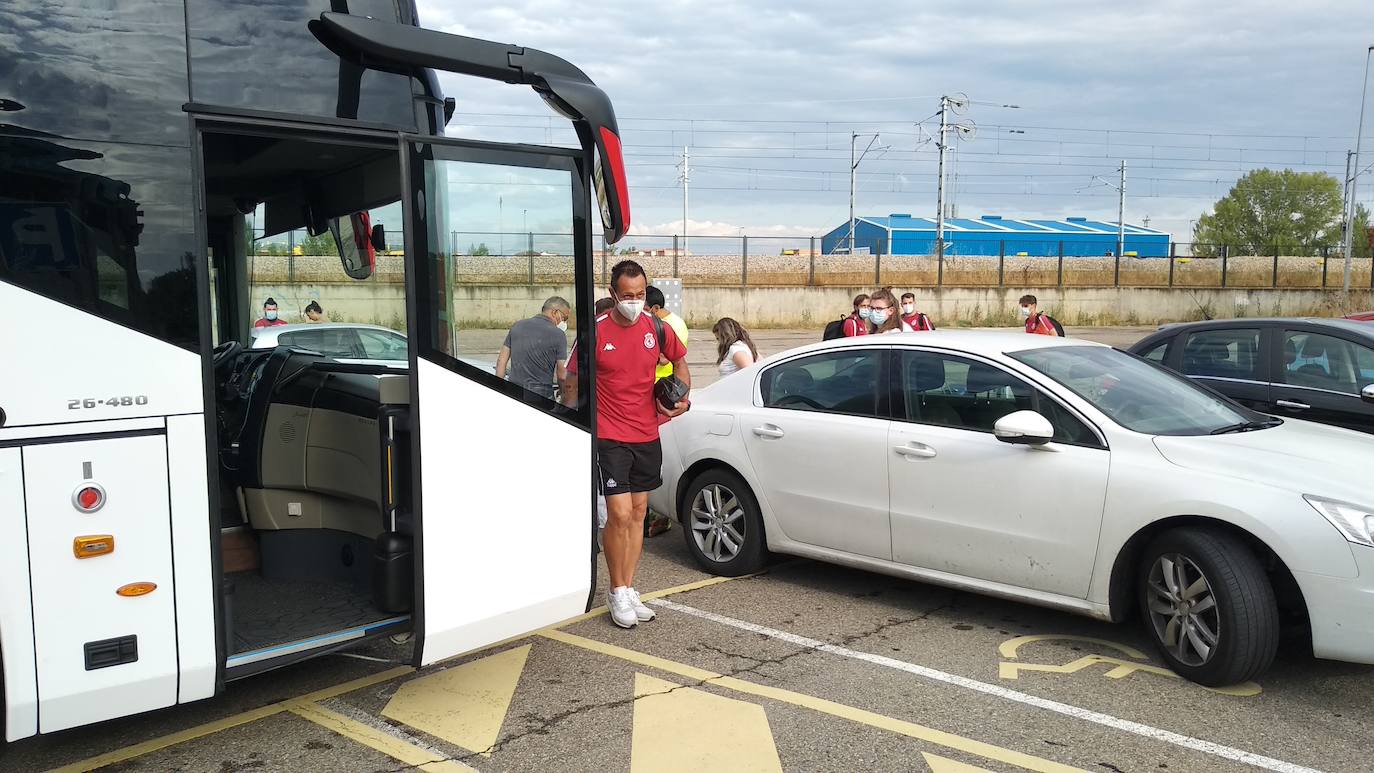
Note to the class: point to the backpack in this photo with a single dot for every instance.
(834, 329)
(1058, 328)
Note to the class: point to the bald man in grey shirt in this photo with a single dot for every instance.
(536, 349)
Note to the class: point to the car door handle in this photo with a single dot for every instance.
(918, 450)
(768, 430)
(1294, 404)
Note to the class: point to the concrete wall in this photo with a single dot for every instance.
(495, 306)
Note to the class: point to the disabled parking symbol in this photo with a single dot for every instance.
(1132, 661)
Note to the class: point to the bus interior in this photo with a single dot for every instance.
(313, 453)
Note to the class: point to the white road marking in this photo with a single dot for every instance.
(1087, 715)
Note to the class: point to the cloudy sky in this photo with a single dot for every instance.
(766, 94)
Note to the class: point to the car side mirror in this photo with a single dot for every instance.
(1367, 394)
(1024, 428)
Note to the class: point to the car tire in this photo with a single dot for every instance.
(718, 509)
(1200, 589)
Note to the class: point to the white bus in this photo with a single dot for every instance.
(178, 510)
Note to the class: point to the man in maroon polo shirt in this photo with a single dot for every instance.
(629, 456)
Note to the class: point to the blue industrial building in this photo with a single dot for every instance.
(994, 235)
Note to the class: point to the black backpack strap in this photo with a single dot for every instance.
(658, 330)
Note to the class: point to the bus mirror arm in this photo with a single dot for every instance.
(403, 49)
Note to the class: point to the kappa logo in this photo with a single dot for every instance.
(610, 483)
(648, 340)
(609, 347)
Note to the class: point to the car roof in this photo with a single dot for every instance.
(277, 329)
(1363, 329)
(984, 342)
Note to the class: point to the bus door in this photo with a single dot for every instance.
(498, 235)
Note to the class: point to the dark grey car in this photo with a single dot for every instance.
(1315, 369)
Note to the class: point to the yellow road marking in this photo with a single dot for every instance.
(373, 738)
(1008, 648)
(1120, 670)
(210, 728)
(940, 764)
(678, 728)
(909, 729)
(464, 705)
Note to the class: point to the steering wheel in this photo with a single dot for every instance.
(224, 354)
(791, 399)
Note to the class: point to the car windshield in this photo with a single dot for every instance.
(1138, 395)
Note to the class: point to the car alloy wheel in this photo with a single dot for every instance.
(718, 523)
(1183, 609)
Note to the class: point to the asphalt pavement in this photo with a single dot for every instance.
(806, 666)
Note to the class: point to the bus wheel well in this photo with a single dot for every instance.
(1122, 593)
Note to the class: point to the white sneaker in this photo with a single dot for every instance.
(642, 612)
(622, 609)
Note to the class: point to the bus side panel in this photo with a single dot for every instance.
(195, 590)
(101, 654)
(16, 610)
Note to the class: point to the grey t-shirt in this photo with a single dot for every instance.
(536, 345)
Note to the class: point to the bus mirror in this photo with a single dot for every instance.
(354, 238)
(379, 238)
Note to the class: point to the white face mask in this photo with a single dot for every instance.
(563, 326)
(908, 309)
(1025, 312)
(271, 315)
(877, 316)
(630, 309)
(865, 313)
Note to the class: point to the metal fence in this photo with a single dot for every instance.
(797, 261)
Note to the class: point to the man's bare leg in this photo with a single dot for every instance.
(636, 535)
(618, 537)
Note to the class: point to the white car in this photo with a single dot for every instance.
(342, 341)
(1048, 470)
(348, 342)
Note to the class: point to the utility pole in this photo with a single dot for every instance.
(1350, 205)
(1121, 213)
(686, 177)
(940, 144)
(854, 162)
(853, 165)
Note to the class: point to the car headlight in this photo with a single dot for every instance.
(1355, 522)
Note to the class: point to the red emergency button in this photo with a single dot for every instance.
(89, 498)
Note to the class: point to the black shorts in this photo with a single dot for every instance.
(629, 468)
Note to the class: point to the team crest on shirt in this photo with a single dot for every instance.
(648, 340)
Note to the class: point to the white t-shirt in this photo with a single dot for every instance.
(905, 328)
(727, 365)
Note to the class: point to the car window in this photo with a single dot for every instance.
(1157, 352)
(1323, 362)
(1230, 353)
(378, 345)
(833, 382)
(954, 392)
(1138, 395)
(329, 341)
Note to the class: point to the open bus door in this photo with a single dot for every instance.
(503, 546)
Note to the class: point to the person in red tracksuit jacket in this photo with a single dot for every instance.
(1037, 322)
(856, 324)
(917, 320)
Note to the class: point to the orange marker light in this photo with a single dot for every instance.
(93, 545)
(137, 589)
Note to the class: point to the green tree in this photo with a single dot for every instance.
(1296, 213)
(479, 249)
(319, 245)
